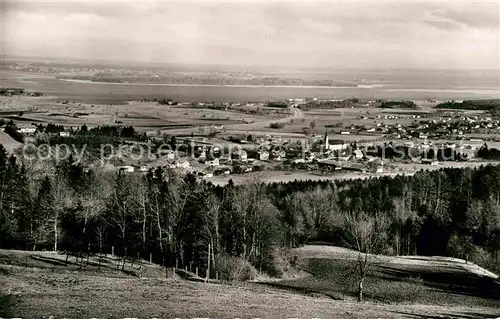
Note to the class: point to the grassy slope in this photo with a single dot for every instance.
(8, 142)
(423, 280)
(48, 287)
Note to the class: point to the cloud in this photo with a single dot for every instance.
(367, 34)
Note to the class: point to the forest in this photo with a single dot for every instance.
(487, 105)
(178, 220)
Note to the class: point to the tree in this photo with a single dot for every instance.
(93, 201)
(213, 207)
(122, 209)
(367, 234)
(460, 246)
(62, 199)
(173, 143)
(312, 124)
(403, 217)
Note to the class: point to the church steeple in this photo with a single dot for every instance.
(325, 140)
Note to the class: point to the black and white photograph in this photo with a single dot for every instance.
(249, 159)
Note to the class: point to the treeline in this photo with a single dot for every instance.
(398, 104)
(179, 221)
(92, 138)
(488, 153)
(279, 104)
(487, 105)
(11, 129)
(347, 103)
(17, 91)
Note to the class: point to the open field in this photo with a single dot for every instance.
(43, 286)
(284, 176)
(142, 115)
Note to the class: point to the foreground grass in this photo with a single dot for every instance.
(54, 289)
(83, 296)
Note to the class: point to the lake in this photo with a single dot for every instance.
(379, 86)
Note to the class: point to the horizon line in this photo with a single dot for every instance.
(138, 63)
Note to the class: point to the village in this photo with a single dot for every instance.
(367, 143)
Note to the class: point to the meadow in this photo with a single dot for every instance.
(44, 284)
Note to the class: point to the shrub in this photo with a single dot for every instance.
(276, 262)
(6, 306)
(234, 269)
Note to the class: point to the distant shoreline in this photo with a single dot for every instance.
(226, 85)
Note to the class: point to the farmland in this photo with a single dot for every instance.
(227, 119)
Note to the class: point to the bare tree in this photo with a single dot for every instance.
(213, 207)
(142, 199)
(94, 199)
(63, 200)
(402, 215)
(367, 234)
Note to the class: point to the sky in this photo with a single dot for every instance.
(340, 34)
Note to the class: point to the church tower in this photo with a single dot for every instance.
(325, 140)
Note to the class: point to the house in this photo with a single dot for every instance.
(183, 164)
(214, 162)
(28, 130)
(345, 132)
(337, 147)
(169, 154)
(329, 165)
(225, 160)
(358, 154)
(215, 150)
(127, 168)
(279, 155)
(428, 161)
(263, 155)
(143, 169)
(241, 155)
(203, 155)
(64, 134)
